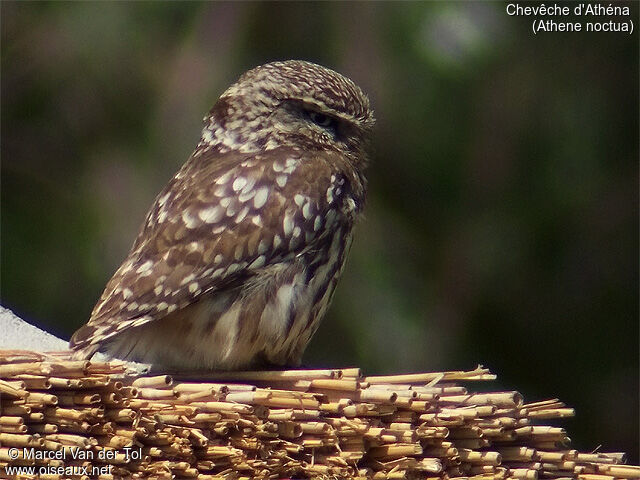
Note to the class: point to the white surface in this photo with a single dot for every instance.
(16, 334)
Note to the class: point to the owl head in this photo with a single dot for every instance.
(292, 103)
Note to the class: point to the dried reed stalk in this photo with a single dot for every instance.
(331, 423)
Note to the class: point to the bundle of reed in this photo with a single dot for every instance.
(82, 419)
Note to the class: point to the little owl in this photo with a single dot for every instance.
(240, 254)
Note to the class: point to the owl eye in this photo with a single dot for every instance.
(322, 120)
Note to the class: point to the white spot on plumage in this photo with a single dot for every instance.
(232, 209)
(263, 246)
(277, 241)
(234, 125)
(281, 180)
(224, 178)
(163, 306)
(296, 231)
(290, 165)
(189, 220)
(245, 197)
(257, 220)
(239, 183)
(193, 286)
(258, 262)
(243, 213)
(251, 181)
(132, 306)
(211, 214)
(299, 199)
(157, 290)
(287, 225)
(207, 137)
(141, 321)
(306, 211)
(317, 223)
(145, 266)
(187, 279)
(217, 273)
(330, 194)
(127, 293)
(162, 200)
(261, 197)
(122, 325)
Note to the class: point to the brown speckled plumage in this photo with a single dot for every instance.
(238, 258)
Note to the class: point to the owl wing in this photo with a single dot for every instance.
(221, 219)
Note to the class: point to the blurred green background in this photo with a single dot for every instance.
(502, 224)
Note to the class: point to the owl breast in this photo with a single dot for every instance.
(268, 320)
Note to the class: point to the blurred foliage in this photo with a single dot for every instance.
(502, 220)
